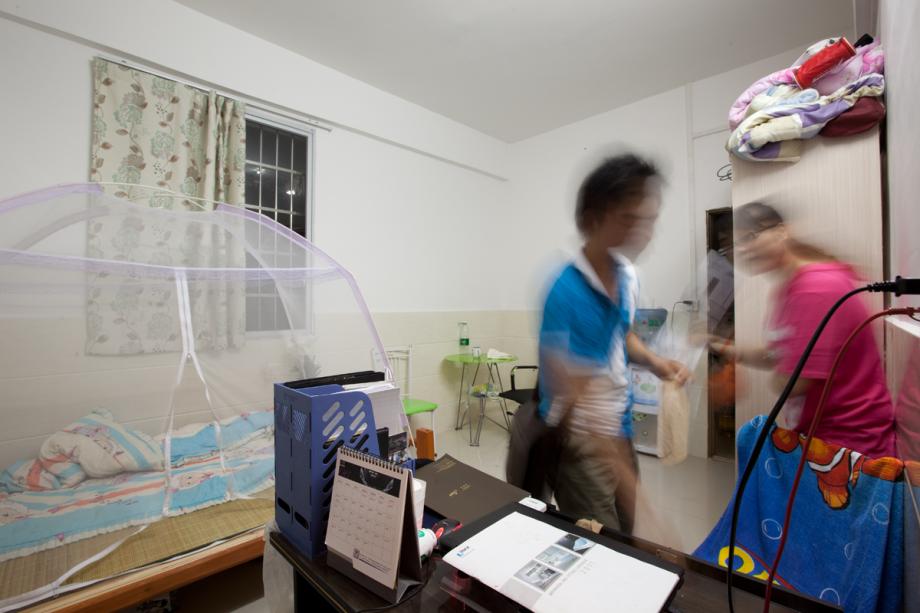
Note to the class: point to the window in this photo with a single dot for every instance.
(278, 185)
(277, 175)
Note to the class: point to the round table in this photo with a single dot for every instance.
(464, 359)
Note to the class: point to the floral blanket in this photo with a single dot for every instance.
(788, 114)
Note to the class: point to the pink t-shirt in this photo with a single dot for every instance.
(859, 414)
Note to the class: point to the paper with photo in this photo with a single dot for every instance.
(547, 569)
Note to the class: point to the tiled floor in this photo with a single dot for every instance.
(682, 503)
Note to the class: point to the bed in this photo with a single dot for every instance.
(54, 540)
(168, 555)
(143, 332)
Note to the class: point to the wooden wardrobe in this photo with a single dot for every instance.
(832, 197)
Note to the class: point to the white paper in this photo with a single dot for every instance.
(386, 405)
(547, 569)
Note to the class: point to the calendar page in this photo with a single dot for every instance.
(366, 514)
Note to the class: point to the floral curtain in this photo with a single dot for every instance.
(151, 131)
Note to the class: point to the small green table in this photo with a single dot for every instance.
(491, 364)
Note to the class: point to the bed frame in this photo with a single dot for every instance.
(140, 585)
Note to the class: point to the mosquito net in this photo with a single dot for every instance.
(141, 334)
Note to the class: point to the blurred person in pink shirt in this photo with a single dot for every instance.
(859, 413)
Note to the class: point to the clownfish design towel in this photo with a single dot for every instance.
(846, 537)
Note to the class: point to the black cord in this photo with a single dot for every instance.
(674, 306)
(412, 593)
(771, 419)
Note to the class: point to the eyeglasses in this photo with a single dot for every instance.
(749, 237)
(632, 219)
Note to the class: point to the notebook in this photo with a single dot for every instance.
(371, 533)
(459, 491)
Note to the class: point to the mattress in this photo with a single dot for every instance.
(160, 541)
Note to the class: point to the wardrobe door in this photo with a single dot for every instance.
(832, 198)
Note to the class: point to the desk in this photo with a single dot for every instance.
(702, 591)
(320, 588)
(704, 585)
(465, 359)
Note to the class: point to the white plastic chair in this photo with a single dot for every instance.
(400, 360)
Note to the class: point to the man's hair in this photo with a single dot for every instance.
(616, 182)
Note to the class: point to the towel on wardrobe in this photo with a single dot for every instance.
(846, 538)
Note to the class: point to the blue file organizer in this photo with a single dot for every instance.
(310, 426)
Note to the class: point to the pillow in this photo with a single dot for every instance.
(102, 447)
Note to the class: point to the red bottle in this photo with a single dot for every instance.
(820, 63)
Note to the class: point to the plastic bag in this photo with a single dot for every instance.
(673, 424)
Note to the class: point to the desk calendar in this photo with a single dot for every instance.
(371, 533)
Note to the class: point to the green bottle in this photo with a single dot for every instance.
(464, 333)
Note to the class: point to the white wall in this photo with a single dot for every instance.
(410, 228)
(44, 109)
(402, 194)
(170, 35)
(545, 175)
(414, 204)
(684, 130)
(899, 27)
(545, 171)
(449, 247)
(712, 97)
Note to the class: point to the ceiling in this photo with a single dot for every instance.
(516, 68)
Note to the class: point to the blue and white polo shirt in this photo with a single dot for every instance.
(585, 329)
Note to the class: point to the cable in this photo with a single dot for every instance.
(771, 419)
(688, 303)
(899, 286)
(819, 410)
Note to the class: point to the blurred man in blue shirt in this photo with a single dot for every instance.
(586, 342)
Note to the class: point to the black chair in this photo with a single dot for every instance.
(519, 396)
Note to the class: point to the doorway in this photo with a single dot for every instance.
(720, 294)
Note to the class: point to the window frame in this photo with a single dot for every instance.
(278, 122)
